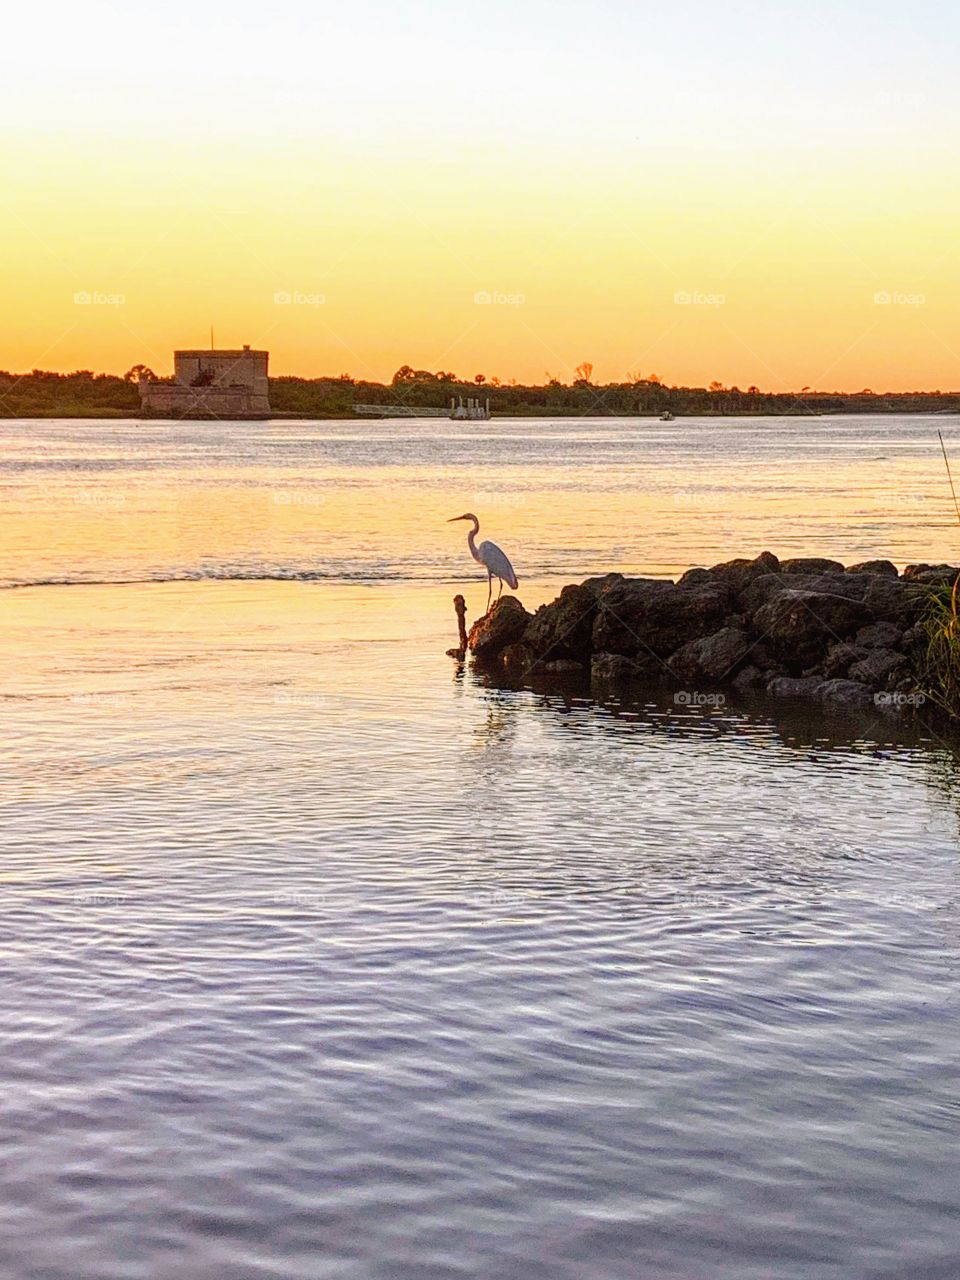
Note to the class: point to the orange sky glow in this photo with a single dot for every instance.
(713, 217)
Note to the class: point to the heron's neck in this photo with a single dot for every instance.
(471, 541)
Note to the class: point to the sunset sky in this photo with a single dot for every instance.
(750, 192)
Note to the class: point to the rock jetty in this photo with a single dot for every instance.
(809, 628)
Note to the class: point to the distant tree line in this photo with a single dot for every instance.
(67, 395)
(84, 394)
(639, 396)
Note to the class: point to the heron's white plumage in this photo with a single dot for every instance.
(489, 554)
(493, 559)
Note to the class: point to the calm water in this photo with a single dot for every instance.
(324, 959)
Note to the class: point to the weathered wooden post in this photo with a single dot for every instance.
(461, 607)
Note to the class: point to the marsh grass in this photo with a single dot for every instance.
(941, 623)
(942, 626)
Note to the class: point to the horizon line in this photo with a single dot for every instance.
(499, 384)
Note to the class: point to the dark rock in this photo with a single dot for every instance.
(603, 583)
(811, 564)
(644, 616)
(612, 666)
(801, 625)
(563, 629)
(561, 666)
(880, 635)
(841, 657)
(768, 561)
(714, 657)
(762, 656)
(897, 600)
(931, 575)
(505, 623)
(881, 568)
(852, 586)
(794, 687)
(915, 639)
(848, 693)
(517, 659)
(735, 574)
(751, 677)
(880, 669)
(763, 589)
(695, 575)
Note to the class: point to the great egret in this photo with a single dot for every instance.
(490, 556)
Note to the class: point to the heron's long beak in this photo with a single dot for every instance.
(453, 519)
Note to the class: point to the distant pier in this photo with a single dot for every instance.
(473, 409)
(467, 409)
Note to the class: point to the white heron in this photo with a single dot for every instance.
(490, 556)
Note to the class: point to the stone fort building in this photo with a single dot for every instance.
(210, 384)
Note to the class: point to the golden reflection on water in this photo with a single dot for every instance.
(109, 501)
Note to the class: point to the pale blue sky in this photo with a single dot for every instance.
(693, 73)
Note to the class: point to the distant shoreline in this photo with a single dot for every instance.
(85, 394)
(123, 415)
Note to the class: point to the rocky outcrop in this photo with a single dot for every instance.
(811, 564)
(882, 568)
(931, 574)
(649, 618)
(793, 686)
(800, 625)
(735, 574)
(504, 625)
(801, 628)
(613, 666)
(713, 658)
(880, 635)
(841, 657)
(564, 629)
(880, 669)
(847, 693)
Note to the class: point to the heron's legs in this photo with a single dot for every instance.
(489, 589)
(500, 592)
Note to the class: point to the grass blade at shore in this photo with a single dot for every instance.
(942, 625)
